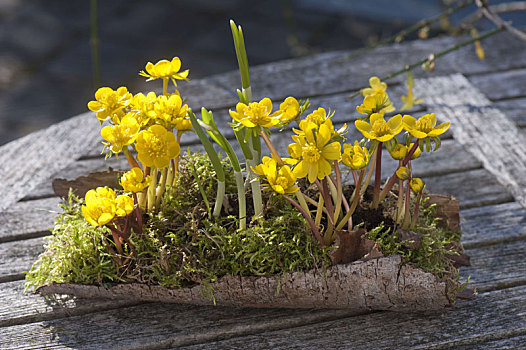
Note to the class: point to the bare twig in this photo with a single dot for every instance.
(499, 8)
(498, 21)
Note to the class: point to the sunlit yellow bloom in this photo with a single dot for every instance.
(156, 146)
(143, 107)
(314, 123)
(377, 103)
(165, 70)
(317, 117)
(379, 129)
(403, 173)
(133, 181)
(376, 85)
(100, 206)
(123, 205)
(255, 114)
(173, 112)
(417, 185)
(317, 152)
(289, 109)
(121, 135)
(425, 126)
(109, 103)
(281, 180)
(354, 156)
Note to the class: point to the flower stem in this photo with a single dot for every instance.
(407, 216)
(131, 160)
(355, 198)
(160, 190)
(372, 164)
(271, 147)
(152, 189)
(241, 199)
(377, 177)
(393, 178)
(417, 208)
(307, 217)
(138, 213)
(319, 210)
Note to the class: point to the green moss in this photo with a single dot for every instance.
(183, 246)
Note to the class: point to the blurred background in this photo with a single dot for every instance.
(46, 72)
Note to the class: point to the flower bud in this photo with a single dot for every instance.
(399, 151)
(403, 173)
(417, 185)
(417, 153)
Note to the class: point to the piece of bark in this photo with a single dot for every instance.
(378, 284)
(447, 209)
(411, 239)
(83, 184)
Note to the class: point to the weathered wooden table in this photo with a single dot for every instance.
(482, 163)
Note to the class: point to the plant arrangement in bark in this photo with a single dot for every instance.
(245, 224)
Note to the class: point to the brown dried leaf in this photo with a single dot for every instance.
(447, 209)
(352, 246)
(83, 184)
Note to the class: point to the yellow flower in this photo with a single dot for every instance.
(376, 85)
(143, 107)
(165, 70)
(281, 180)
(156, 146)
(377, 103)
(109, 103)
(133, 181)
(289, 109)
(172, 111)
(403, 173)
(398, 152)
(255, 114)
(417, 185)
(379, 129)
(120, 135)
(100, 206)
(425, 126)
(317, 152)
(317, 117)
(124, 205)
(354, 156)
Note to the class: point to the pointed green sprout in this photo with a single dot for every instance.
(212, 130)
(245, 95)
(216, 162)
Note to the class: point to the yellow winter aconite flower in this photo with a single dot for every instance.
(399, 151)
(281, 180)
(425, 126)
(417, 153)
(133, 181)
(156, 146)
(100, 206)
(171, 110)
(377, 103)
(289, 110)
(317, 117)
(376, 85)
(255, 114)
(143, 107)
(409, 100)
(354, 156)
(120, 135)
(109, 102)
(378, 129)
(123, 205)
(317, 152)
(416, 184)
(165, 70)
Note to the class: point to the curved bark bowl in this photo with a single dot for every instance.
(378, 284)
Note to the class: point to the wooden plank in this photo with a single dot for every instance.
(497, 266)
(18, 256)
(25, 220)
(501, 85)
(514, 109)
(17, 307)
(473, 188)
(484, 130)
(490, 316)
(518, 342)
(493, 224)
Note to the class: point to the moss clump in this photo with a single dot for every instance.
(181, 245)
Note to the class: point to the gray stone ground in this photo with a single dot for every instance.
(45, 57)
